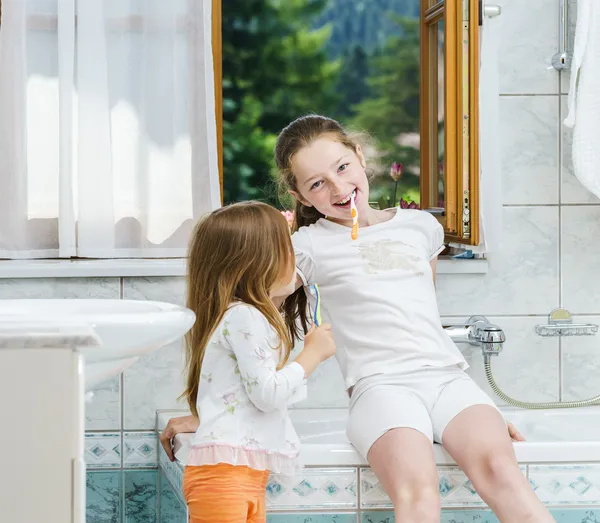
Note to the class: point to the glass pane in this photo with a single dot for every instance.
(357, 62)
(439, 169)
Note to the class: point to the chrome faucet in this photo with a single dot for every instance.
(478, 331)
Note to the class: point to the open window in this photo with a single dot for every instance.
(449, 125)
(405, 72)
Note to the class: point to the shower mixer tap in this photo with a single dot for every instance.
(479, 331)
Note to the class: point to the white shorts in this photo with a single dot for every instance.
(426, 400)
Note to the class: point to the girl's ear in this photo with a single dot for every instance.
(296, 195)
(361, 156)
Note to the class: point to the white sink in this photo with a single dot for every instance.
(50, 351)
(112, 333)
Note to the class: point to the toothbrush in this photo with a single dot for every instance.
(354, 212)
(314, 290)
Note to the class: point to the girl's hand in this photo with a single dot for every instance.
(318, 347)
(177, 426)
(514, 434)
(320, 339)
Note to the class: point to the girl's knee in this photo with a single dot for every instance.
(418, 501)
(495, 470)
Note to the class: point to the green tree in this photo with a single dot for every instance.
(391, 114)
(275, 68)
(364, 22)
(352, 81)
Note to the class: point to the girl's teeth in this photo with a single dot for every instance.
(345, 201)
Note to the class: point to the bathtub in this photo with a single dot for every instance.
(561, 458)
(553, 436)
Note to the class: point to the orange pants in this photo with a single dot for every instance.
(225, 494)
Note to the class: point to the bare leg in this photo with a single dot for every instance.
(403, 461)
(478, 440)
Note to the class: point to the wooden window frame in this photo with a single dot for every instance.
(217, 52)
(460, 216)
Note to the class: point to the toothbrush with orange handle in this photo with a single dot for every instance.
(354, 212)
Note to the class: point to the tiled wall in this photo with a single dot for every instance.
(551, 223)
(351, 495)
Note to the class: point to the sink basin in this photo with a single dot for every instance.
(50, 350)
(121, 330)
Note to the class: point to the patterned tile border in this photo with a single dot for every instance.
(140, 450)
(456, 490)
(566, 485)
(322, 488)
(311, 517)
(567, 515)
(331, 488)
(103, 450)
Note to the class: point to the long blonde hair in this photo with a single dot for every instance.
(237, 253)
(297, 135)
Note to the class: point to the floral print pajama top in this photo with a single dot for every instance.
(243, 398)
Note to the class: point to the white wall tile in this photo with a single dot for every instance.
(581, 363)
(326, 388)
(167, 289)
(155, 380)
(529, 145)
(527, 367)
(103, 412)
(529, 33)
(580, 259)
(571, 191)
(59, 288)
(523, 274)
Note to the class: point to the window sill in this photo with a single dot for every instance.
(448, 265)
(79, 268)
(123, 268)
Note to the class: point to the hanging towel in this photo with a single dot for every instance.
(584, 96)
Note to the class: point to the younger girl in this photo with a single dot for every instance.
(239, 379)
(405, 376)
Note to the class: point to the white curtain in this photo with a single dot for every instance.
(107, 127)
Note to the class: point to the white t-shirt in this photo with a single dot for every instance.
(378, 293)
(243, 398)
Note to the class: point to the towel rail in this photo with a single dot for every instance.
(561, 61)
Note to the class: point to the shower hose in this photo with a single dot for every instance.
(525, 405)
